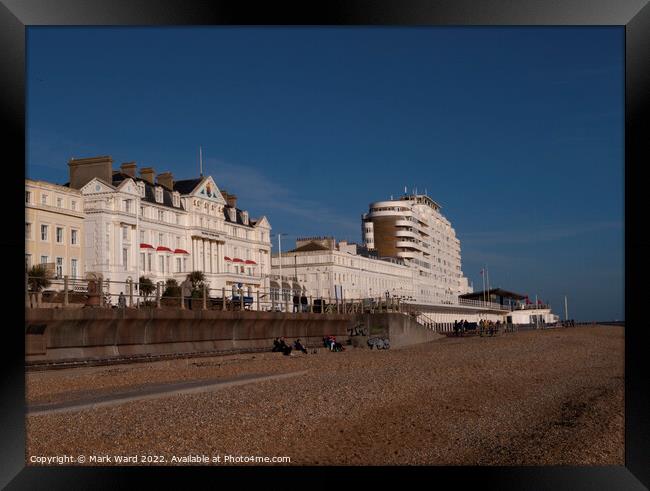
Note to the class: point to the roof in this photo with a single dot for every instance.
(238, 217)
(311, 246)
(493, 291)
(149, 193)
(186, 186)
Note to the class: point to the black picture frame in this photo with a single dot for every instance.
(634, 15)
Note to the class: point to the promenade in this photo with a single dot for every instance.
(537, 397)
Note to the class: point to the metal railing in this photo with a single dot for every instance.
(480, 303)
(106, 293)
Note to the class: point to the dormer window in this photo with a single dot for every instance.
(177, 199)
(232, 214)
(141, 189)
(244, 217)
(159, 194)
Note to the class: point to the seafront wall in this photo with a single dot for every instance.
(59, 334)
(81, 334)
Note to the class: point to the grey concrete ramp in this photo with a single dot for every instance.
(400, 329)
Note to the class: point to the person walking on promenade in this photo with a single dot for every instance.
(303, 302)
(186, 291)
(296, 303)
(121, 301)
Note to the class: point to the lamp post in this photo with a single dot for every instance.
(279, 236)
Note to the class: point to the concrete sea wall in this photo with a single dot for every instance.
(77, 334)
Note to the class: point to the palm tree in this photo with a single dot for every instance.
(197, 278)
(38, 278)
(171, 288)
(146, 286)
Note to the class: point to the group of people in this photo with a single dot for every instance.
(330, 343)
(300, 303)
(485, 327)
(489, 327)
(281, 345)
(460, 327)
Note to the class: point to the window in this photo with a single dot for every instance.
(142, 239)
(178, 264)
(142, 211)
(59, 235)
(160, 239)
(73, 205)
(127, 205)
(149, 262)
(73, 268)
(44, 232)
(142, 261)
(59, 202)
(178, 219)
(28, 196)
(125, 233)
(28, 261)
(159, 194)
(125, 258)
(44, 259)
(28, 230)
(178, 242)
(43, 199)
(161, 216)
(74, 235)
(59, 267)
(162, 265)
(184, 264)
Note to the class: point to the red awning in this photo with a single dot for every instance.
(227, 258)
(163, 248)
(180, 251)
(146, 246)
(250, 261)
(237, 260)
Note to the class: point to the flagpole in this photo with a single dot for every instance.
(487, 274)
(201, 161)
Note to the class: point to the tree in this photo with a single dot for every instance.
(197, 278)
(172, 289)
(146, 286)
(38, 278)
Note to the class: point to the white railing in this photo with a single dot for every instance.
(481, 304)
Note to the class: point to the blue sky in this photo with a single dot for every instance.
(517, 132)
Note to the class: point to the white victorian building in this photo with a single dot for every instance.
(161, 228)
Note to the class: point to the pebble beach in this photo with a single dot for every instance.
(546, 397)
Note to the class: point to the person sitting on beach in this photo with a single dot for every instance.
(331, 342)
(298, 346)
(284, 347)
(277, 346)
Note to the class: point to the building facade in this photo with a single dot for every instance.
(157, 227)
(54, 228)
(412, 229)
(322, 268)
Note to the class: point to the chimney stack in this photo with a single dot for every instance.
(82, 171)
(166, 179)
(147, 174)
(128, 168)
(231, 200)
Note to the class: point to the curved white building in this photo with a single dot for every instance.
(413, 230)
